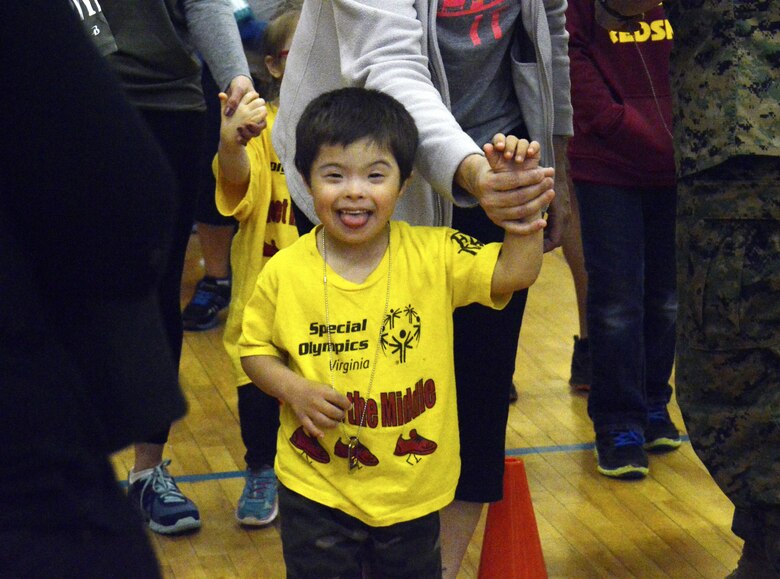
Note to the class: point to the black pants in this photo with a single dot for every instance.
(181, 135)
(485, 352)
(258, 414)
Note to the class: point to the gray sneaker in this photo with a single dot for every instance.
(161, 503)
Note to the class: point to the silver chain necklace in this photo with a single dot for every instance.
(354, 441)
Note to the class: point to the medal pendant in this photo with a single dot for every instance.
(352, 461)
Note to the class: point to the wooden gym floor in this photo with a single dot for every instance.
(675, 523)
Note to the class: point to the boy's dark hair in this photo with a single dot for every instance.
(347, 115)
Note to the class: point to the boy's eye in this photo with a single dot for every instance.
(375, 175)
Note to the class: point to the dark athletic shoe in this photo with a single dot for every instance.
(212, 295)
(619, 454)
(661, 435)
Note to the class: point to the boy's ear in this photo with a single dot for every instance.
(405, 184)
(273, 66)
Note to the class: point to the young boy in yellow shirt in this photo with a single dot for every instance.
(351, 327)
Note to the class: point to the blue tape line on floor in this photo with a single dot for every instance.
(195, 478)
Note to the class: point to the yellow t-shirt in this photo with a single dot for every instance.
(266, 225)
(410, 463)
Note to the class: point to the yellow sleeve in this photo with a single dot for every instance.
(472, 265)
(259, 322)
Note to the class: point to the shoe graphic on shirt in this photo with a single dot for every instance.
(363, 455)
(414, 447)
(311, 447)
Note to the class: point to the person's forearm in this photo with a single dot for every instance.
(318, 407)
(269, 374)
(622, 15)
(631, 7)
(234, 163)
(380, 46)
(560, 152)
(234, 171)
(214, 33)
(518, 263)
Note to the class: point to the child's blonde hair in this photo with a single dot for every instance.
(279, 30)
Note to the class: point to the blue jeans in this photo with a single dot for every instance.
(629, 246)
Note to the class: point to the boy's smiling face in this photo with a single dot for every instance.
(355, 190)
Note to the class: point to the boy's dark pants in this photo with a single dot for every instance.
(322, 542)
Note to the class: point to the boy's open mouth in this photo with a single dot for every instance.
(354, 218)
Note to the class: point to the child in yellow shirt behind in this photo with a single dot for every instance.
(251, 188)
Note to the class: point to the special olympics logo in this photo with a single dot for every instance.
(400, 332)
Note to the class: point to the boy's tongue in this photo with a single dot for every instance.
(354, 220)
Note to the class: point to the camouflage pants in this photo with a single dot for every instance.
(728, 346)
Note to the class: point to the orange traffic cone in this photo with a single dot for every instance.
(511, 548)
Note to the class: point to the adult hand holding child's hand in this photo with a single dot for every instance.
(250, 114)
(516, 161)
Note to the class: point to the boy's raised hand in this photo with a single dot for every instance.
(251, 112)
(507, 153)
(317, 406)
